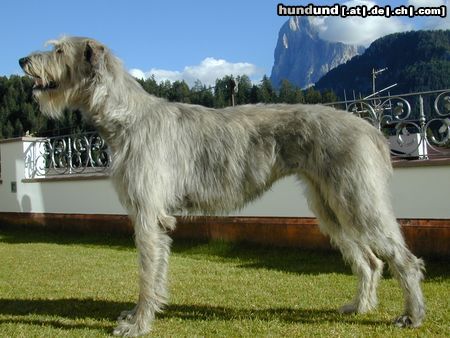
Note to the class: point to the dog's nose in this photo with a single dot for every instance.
(23, 61)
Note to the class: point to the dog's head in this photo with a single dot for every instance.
(62, 75)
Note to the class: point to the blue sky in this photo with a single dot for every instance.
(179, 38)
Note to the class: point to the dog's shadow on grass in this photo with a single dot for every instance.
(67, 314)
(288, 315)
(74, 313)
(66, 307)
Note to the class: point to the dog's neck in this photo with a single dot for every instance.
(110, 104)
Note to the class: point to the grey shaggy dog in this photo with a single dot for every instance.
(171, 157)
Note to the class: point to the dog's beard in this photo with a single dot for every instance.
(40, 85)
(51, 102)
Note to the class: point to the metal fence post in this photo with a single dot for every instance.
(69, 153)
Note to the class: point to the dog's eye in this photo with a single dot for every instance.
(59, 51)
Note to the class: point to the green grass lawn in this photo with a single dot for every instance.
(68, 285)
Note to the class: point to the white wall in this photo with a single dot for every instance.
(418, 192)
(93, 196)
(422, 192)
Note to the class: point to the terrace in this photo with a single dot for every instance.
(62, 185)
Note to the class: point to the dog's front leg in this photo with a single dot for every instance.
(148, 237)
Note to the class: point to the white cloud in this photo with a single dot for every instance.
(433, 22)
(426, 3)
(137, 73)
(207, 71)
(358, 30)
(439, 23)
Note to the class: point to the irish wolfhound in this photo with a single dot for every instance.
(172, 157)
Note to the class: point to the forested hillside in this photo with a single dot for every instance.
(417, 61)
(20, 114)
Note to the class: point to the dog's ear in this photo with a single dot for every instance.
(94, 54)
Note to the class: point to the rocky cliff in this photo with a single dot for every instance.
(302, 57)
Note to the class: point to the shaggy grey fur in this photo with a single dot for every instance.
(177, 157)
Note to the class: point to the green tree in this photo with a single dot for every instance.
(222, 92)
(179, 92)
(312, 96)
(287, 93)
(254, 94)
(299, 97)
(8, 130)
(150, 85)
(244, 89)
(202, 95)
(329, 96)
(18, 129)
(267, 93)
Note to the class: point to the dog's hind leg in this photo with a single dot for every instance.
(368, 218)
(153, 250)
(365, 208)
(408, 270)
(365, 264)
(386, 240)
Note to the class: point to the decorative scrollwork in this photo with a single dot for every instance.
(71, 154)
(395, 109)
(442, 104)
(407, 140)
(438, 132)
(410, 137)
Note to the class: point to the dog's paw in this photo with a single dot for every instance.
(130, 325)
(127, 329)
(126, 315)
(406, 321)
(348, 309)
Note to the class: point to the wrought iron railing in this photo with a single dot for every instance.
(416, 124)
(75, 154)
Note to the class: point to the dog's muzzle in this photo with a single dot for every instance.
(23, 62)
(38, 83)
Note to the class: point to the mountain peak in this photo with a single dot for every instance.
(302, 57)
(293, 23)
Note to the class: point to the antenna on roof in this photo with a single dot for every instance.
(374, 76)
